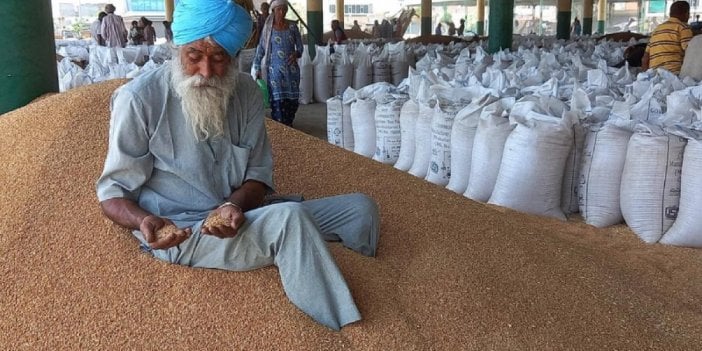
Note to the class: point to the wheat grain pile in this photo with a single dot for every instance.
(450, 274)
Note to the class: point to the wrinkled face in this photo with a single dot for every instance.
(280, 12)
(206, 58)
(204, 76)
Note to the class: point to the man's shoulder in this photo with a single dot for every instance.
(154, 81)
(245, 82)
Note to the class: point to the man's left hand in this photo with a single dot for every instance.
(235, 217)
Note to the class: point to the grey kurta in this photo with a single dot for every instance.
(155, 160)
(113, 31)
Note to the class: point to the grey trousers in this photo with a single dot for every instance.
(290, 235)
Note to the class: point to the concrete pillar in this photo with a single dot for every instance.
(340, 12)
(601, 16)
(169, 10)
(500, 25)
(563, 19)
(587, 17)
(480, 24)
(315, 24)
(28, 61)
(426, 17)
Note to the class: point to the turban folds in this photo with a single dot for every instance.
(223, 20)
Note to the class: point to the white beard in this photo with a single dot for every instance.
(204, 100)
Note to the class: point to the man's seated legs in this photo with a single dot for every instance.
(351, 218)
(285, 235)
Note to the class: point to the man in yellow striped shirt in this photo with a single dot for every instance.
(666, 48)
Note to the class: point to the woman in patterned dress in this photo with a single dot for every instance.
(276, 62)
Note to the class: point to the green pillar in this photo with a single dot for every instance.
(500, 25)
(601, 16)
(587, 17)
(28, 61)
(480, 23)
(563, 19)
(315, 22)
(426, 18)
(587, 26)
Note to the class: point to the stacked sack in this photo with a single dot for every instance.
(550, 129)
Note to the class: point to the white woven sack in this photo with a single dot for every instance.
(692, 65)
(493, 129)
(342, 76)
(306, 78)
(439, 170)
(408, 123)
(363, 68)
(571, 176)
(339, 129)
(600, 176)
(322, 75)
(399, 69)
(687, 229)
(463, 132)
(362, 76)
(422, 140)
(387, 128)
(533, 163)
(103, 55)
(463, 64)
(650, 189)
(363, 126)
(381, 71)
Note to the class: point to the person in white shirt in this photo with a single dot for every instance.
(95, 33)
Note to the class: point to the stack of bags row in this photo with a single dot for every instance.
(545, 132)
(107, 63)
(355, 66)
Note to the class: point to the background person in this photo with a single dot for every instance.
(148, 30)
(262, 16)
(461, 27)
(112, 28)
(136, 34)
(451, 29)
(576, 28)
(188, 140)
(95, 29)
(356, 26)
(375, 31)
(276, 62)
(167, 31)
(338, 34)
(666, 48)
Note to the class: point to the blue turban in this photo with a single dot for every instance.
(223, 20)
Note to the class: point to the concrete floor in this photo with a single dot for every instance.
(311, 119)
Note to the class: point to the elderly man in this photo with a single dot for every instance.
(188, 141)
(666, 48)
(112, 29)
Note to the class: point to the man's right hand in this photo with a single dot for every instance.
(151, 224)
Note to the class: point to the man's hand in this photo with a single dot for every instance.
(151, 224)
(233, 217)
